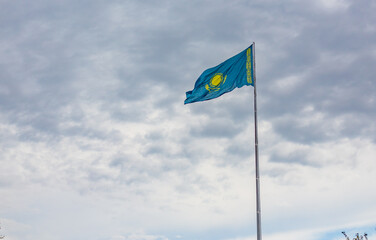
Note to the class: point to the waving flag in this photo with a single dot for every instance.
(236, 71)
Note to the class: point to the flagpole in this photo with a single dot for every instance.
(258, 207)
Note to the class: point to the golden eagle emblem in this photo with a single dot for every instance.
(216, 82)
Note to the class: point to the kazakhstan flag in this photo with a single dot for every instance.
(236, 71)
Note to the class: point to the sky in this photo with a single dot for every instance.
(96, 142)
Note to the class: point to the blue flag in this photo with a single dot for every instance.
(236, 71)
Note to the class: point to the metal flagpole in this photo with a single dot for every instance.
(258, 207)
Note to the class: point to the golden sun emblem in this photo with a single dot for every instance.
(216, 82)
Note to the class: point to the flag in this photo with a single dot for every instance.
(236, 71)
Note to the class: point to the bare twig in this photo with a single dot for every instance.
(346, 235)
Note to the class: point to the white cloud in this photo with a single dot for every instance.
(334, 5)
(97, 144)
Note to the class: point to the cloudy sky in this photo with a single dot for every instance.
(97, 144)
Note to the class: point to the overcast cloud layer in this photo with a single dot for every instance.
(96, 143)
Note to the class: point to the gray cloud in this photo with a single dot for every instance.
(91, 103)
(216, 129)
